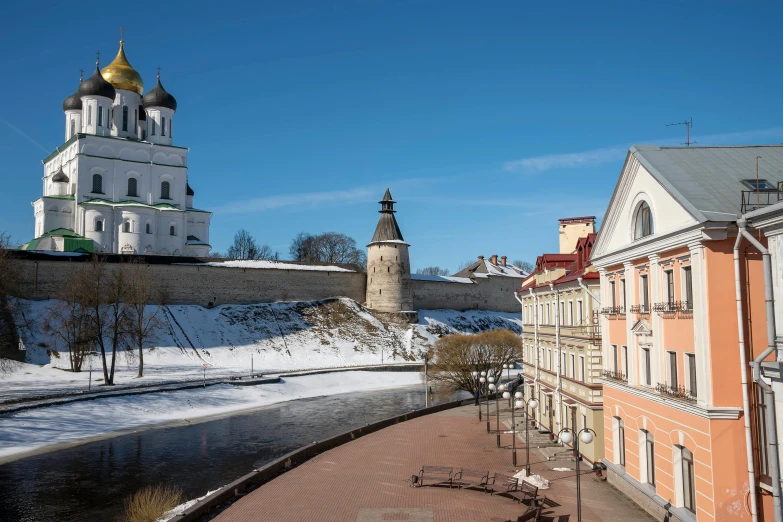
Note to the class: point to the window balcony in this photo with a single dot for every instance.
(613, 310)
(640, 309)
(676, 392)
(614, 376)
(673, 307)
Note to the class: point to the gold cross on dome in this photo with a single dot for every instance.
(122, 34)
(158, 72)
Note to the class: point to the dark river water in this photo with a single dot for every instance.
(91, 482)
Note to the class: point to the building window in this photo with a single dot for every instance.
(643, 223)
(163, 126)
(125, 117)
(149, 229)
(761, 431)
(625, 361)
(650, 451)
(647, 369)
(89, 115)
(135, 119)
(688, 287)
(644, 291)
(669, 274)
(573, 366)
(672, 366)
(164, 190)
(561, 315)
(571, 313)
(172, 231)
(622, 293)
(620, 442)
(73, 128)
(100, 116)
(615, 365)
(688, 476)
(582, 367)
(132, 187)
(761, 184)
(690, 358)
(580, 312)
(97, 184)
(612, 294)
(99, 226)
(126, 227)
(152, 127)
(170, 134)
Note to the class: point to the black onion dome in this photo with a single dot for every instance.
(60, 176)
(72, 102)
(158, 97)
(96, 85)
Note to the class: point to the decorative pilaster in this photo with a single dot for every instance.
(701, 340)
(633, 349)
(603, 320)
(657, 356)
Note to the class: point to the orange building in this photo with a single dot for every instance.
(674, 417)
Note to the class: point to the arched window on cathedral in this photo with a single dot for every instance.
(164, 190)
(170, 134)
(73, 128)
(172, 231)
(98, 225)
(89, 115)
(132, 187)
(100, 116)
(125, 118)
(126, 227)
(149, 229)
(152, 127)
(163, 126)
(643, 223)
(97, 184)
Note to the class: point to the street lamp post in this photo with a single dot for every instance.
(490, 386)
(482, 380)
(476, 391)
(567, 435)
(500, 388)
(518, 403)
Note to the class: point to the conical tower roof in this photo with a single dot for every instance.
(387, 229)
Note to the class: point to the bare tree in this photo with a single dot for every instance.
(69, 322)
(104, 296)
(464, 265)
(246, 247)
(525, 266)
(433, 271)
(456, 356)
(329, 247)
(144, 318)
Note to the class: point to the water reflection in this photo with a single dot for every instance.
(91, 482)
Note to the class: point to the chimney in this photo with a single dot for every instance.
(481, 258)
(493, 259)
(503, 260)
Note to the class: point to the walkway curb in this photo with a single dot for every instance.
(243, 485)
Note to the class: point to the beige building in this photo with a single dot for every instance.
(562, 343)
(572, 230)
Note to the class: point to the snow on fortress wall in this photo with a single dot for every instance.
(495, 293)
(202, 282)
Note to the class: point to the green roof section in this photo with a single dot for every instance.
(130, 203)
(72, 242)
(67, 196)
(80, 135)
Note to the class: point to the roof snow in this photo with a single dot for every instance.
(441, 279)
(279, 265)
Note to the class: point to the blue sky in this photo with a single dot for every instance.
(488, 120)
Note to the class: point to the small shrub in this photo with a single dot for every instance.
(150, 503)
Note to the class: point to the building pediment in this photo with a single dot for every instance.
(642, 327)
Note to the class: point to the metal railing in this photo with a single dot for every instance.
(613, 310)
(756, 199)
(676, 392)
(673, 307)
(640, 309)
(615, 376)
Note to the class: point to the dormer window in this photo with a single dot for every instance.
(643, 221)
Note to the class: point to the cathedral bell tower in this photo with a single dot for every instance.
(388, 265)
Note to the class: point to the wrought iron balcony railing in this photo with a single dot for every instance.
(640, 309)
(676, 392)
(613, 310)
(668, 307)
(615, 376)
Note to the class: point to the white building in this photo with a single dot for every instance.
(118, 184)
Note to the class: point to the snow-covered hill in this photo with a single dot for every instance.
(277, 336)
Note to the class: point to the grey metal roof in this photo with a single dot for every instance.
(387, 229)
(707, 181)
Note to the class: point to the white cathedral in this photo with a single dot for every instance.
(118, 184)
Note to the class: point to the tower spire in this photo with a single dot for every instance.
(387, 203)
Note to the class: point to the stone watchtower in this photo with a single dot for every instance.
(388, 266)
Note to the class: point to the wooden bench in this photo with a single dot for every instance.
(502, 484)
(525, 492)
(471, 478)
(436, 475)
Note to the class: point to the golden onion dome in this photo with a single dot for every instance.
(121, 74)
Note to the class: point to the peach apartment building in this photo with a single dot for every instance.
(674, 417)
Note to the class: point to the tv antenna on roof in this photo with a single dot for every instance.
(688, 124)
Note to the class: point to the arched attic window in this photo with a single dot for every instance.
(172, 231)
(164, 190)
(97, 184)
(643, 221)
(99, 225)
(133, 187)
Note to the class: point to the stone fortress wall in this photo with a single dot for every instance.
(45, 276)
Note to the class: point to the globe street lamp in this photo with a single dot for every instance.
(507, 367)
(518, 403)
(482, 380)
(491, 385)
(476, 388)
(567, 435)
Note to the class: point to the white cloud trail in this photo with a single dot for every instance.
(25, 136)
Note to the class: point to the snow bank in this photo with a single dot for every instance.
(28, 430)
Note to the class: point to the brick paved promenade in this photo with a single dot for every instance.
(366, 480)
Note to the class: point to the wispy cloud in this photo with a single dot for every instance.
(571, 160)
(308, 199)
(25, 136)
